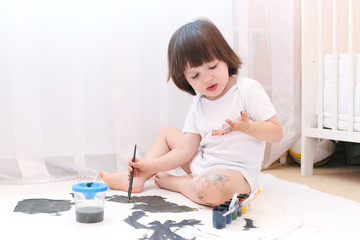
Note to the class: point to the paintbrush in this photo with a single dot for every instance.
(233, 205)
(131, 177)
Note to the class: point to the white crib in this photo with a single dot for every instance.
(329, 27)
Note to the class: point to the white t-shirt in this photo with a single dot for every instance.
(235, 150)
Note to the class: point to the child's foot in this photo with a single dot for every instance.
(119, 181)
(170, 182)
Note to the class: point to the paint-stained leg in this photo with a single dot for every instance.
(212, 188)
(188, 186)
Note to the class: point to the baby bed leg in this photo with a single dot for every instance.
(308, 147)
(283, 159)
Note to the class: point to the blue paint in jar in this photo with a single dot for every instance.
(219, 221)
(226, 206)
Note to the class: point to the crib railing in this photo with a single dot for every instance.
(328, 27)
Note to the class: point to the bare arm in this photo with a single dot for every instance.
(269, 130)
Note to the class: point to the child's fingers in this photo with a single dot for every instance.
(136, 164)
(139, 166)
(129, 161)
(244, 116)
(230, 122)
(225, 129)
(216, 132)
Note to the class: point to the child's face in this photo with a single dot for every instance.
(209, 79)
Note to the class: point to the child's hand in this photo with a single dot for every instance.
(241, 124)
(225, 129)
(140, 166)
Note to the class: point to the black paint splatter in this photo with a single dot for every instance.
(43, 205)
(153, 204)
(161, 231)
(156, 204)
(249, 224)
(133, 220)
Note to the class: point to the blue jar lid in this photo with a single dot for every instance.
(89, 187)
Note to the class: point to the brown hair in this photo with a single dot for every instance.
(196, 43)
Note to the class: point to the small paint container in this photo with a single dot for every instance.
(219, 220)
(89, 201)
(241, 198)
(226, 206)
(243, 210)
(234, 215)
(239, 210)
(239, 213)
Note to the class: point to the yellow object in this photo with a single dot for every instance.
(243, 210)
(324, 150)
(251, 198)
(297, 155)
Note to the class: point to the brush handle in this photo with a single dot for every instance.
(131, 175)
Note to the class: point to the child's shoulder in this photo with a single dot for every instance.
(245, 84)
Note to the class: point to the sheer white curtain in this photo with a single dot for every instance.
(267, 37)
(81, 82)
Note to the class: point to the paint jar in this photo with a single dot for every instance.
(234, 215)
(239, 212)
(243, 210)
(219, 220)
(241, 198)
(226, 206)
(89, 201)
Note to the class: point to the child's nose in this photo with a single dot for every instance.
(208, 77)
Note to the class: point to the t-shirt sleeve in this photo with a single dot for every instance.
(257, 102)
(190, 121)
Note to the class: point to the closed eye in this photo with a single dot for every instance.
(195, 76)
(213, 67)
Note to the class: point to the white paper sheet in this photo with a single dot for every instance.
(283, 210)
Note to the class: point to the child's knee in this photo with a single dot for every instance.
(212, 188)
(169, 130)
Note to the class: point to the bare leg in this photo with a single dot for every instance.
(213, 188)
(120, 181)
(167, 139)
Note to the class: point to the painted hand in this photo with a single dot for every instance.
(240, 124)
(225, 129)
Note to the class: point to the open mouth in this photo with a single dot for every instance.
(212, 87)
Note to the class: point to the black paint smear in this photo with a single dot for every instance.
(153, 204)
(249, 224)
(133, 220)
(43, 205)
(161, 231)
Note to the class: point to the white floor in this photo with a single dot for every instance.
(283, 210)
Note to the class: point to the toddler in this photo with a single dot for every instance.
(220, 158)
